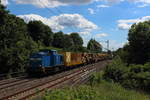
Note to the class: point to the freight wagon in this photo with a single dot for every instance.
(47, 61)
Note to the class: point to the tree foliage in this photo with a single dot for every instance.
(77, 40)
(123, 53)
(69, 42)
(136, 73)
(137, 50)
(94, 46)
(132, 76)
(40, 32)
(15, 44)
(58, 40)
(139, 42)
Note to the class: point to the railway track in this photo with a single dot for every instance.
(14, 75)
(16, 83)
(23, 91)
(11, 80)
(3, 82)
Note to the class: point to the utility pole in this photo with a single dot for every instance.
(107, 45)
(107, 42)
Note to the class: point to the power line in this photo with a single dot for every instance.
(47, 8)
(62, 12)
(107, 42)
(58, 11)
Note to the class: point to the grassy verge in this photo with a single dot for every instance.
(51, 48)
(97, 89)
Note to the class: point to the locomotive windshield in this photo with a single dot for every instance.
(35, 62)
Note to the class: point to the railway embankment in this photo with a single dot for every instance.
(23, 89)
(97, 88)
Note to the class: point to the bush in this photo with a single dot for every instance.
(96, 78)
(132, 76)
(116, 71)
(103, 91)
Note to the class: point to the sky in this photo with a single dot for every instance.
(101, 20)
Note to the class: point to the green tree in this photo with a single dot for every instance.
(123, 53)
(139, 43)
(72, 42)
(40, 32)
(15, 44)
(94, 46)
(77, 39)
(67, 42)
(58, 40)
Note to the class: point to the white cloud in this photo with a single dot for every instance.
(113, 1)
(116, 1)
(91, 11)
(101, 35)
(113, 45)
(84, 33)
(4, 2)
(109, 1)
(31, 17)
(102, 6)
(126, 24)
(66, 21)
(143, 5)
(56, 3)
(140, 1)
(63, 21)
(52, 3)
(87, 36)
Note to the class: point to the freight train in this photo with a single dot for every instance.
(47, 61)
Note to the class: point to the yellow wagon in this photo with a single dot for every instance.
(72, 59)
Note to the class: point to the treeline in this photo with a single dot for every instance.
(131, 67)
(15, 43)
(19, 39)
(43, 36)
(137, 50)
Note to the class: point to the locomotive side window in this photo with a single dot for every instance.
(35, 59)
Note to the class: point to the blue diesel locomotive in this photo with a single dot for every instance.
(45, 60)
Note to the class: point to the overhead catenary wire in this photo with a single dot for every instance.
(51, 11)
(107, 42)
(62, 12)
(54, 13)
(70, 27)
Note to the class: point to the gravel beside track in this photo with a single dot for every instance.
(29, 88)
(11, 80)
